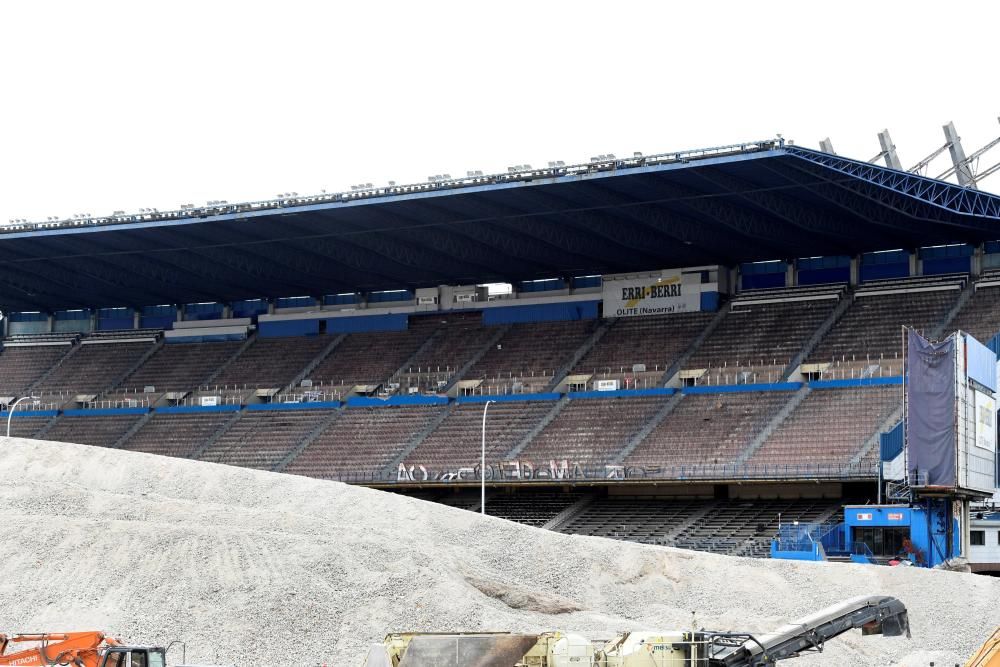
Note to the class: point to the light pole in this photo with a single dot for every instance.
(482, 467)
(10, 414)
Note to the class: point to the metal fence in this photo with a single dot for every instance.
(566, 472)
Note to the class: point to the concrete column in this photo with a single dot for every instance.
(180, 313)
(855, 273)
(977, 260)
(915, 263)
(136, 318)
(51, 324)
(792, 273)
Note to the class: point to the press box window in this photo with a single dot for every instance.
(977, 537)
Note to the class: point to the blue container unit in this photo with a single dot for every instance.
(924, 533)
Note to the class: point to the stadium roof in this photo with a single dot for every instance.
(750, 202)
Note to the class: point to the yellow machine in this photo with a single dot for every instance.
(988, 654)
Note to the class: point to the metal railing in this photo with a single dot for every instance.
(566, 473)
(524, 173)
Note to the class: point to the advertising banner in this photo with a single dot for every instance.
(930, 410)
(660, 295)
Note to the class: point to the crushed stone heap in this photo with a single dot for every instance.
(256, 568)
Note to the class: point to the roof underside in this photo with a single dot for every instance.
(774, 203)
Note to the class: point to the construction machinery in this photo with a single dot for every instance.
(692, 648)
(988, 654)
(78, 649)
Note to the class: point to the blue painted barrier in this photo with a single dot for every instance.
(738, 388)
(97, 412)
(856, 382)
(506, 398)
(395, 401)
(624, 393)
(186, 409)
(314, 405)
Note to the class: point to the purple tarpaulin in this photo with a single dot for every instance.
(930, 410)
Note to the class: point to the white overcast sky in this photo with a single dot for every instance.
(122, 105)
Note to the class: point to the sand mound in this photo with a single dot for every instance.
(253, 568)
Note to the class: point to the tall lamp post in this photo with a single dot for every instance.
(10, 414)
(482, 467)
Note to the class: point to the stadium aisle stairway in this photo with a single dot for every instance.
(103, 431)
(456, 442)
(362, 442)
(178, 435)
(260, 439)
(708, 429)
(830, 425)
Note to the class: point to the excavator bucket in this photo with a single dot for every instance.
(501, 650)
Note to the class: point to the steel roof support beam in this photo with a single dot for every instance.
(315, 251)
(945, 197)
(889, 151)
(507, 228)
(675, 227)
(833, 229)
(154, 269)
(445, 238)
(73, 276)
(261, 259)
(540, 226)
(412, 255)
(963, 170)
(636, 242)
(929, 218)
(869, 210)
(530, 261)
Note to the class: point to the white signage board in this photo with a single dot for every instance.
(986, 429)
(654, 295)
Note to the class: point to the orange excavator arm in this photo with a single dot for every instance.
(80, 649)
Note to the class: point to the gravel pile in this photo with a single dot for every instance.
(255, 568)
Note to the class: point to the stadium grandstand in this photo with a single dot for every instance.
(693, 344)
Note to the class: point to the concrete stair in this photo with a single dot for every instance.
(678, 365)
(218, 434)
(317, 360)
(580, 353)
(530, 435)
(247, 343)
(776, 421)
(120, 442)
(821, 331)
(648, 428)
(491, 343)
(393, 467)
(281, 465)
(73, 349)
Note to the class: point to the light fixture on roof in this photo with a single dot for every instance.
(636, 154)
(555, 164)
(474, 174)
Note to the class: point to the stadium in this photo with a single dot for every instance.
(700, 349)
